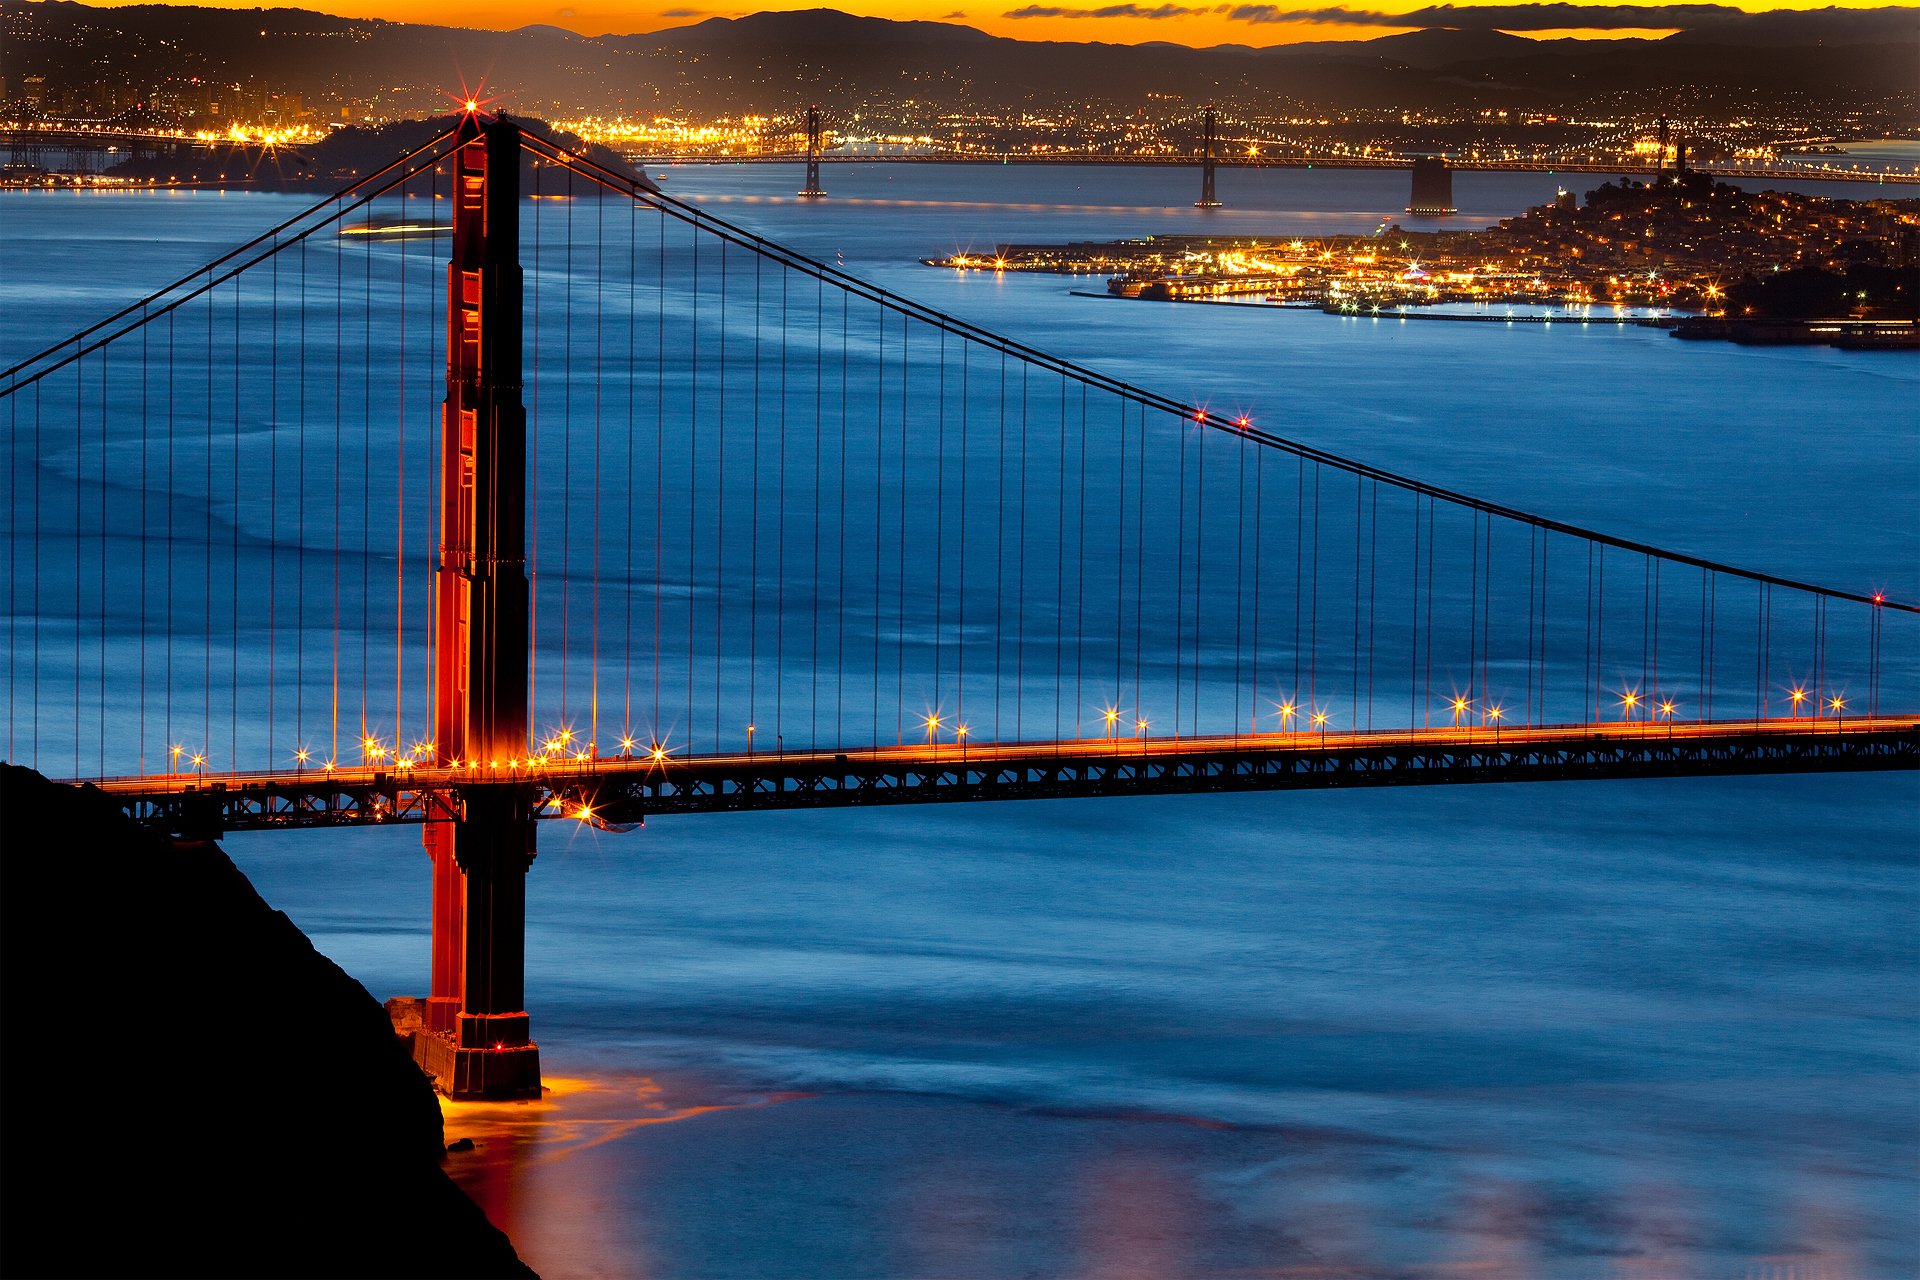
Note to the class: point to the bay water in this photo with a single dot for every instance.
(1647, 1029)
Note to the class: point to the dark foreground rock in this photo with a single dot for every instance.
(190, 1088)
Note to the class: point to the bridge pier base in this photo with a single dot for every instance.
(481, 862)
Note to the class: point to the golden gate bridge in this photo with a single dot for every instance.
(614, 508)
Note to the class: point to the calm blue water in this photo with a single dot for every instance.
(1629, 1029)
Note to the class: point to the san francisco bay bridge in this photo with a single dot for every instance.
(615, 508)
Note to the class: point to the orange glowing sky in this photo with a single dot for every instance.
(1189, 22)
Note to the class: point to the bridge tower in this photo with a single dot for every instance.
(1207, 199)
(812, 190)
(477, 1041)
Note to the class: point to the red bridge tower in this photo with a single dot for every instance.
(477, 1042)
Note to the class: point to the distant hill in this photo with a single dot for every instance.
(773, 62)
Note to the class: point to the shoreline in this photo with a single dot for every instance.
(1642, 322)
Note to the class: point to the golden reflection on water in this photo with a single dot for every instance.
(547, 1172)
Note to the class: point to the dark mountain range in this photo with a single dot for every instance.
(188, 57)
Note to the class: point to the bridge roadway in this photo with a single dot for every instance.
(617, 792)
(1731, 172)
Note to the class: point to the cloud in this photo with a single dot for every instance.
(681, 13)
(1498, 17)
(1154, 13)
(949, 17)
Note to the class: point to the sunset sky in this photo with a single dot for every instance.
(1191, 22)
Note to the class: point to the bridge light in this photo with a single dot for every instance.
(1140, 726)
(1797, 696)
(1496, 712)
(1628, 701)
(301, 755)
(1320, 719)
(658, 752)
(1666, 708)
(472, 106)
(626, 746)
(1836, 704)
(962, 730)
(1879, 597)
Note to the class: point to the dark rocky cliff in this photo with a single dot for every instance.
(190, 1088)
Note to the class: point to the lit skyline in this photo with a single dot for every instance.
(1189, 22)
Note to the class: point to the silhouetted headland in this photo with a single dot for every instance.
(191, 1088)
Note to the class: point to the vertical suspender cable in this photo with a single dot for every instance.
(900, 531)
(1199, 571)
(400, 492)
(1080, 583)
(599, 444)
(1180, 588)
(753, 518)
(720, 504)
(1259, 582)
(960, 602)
